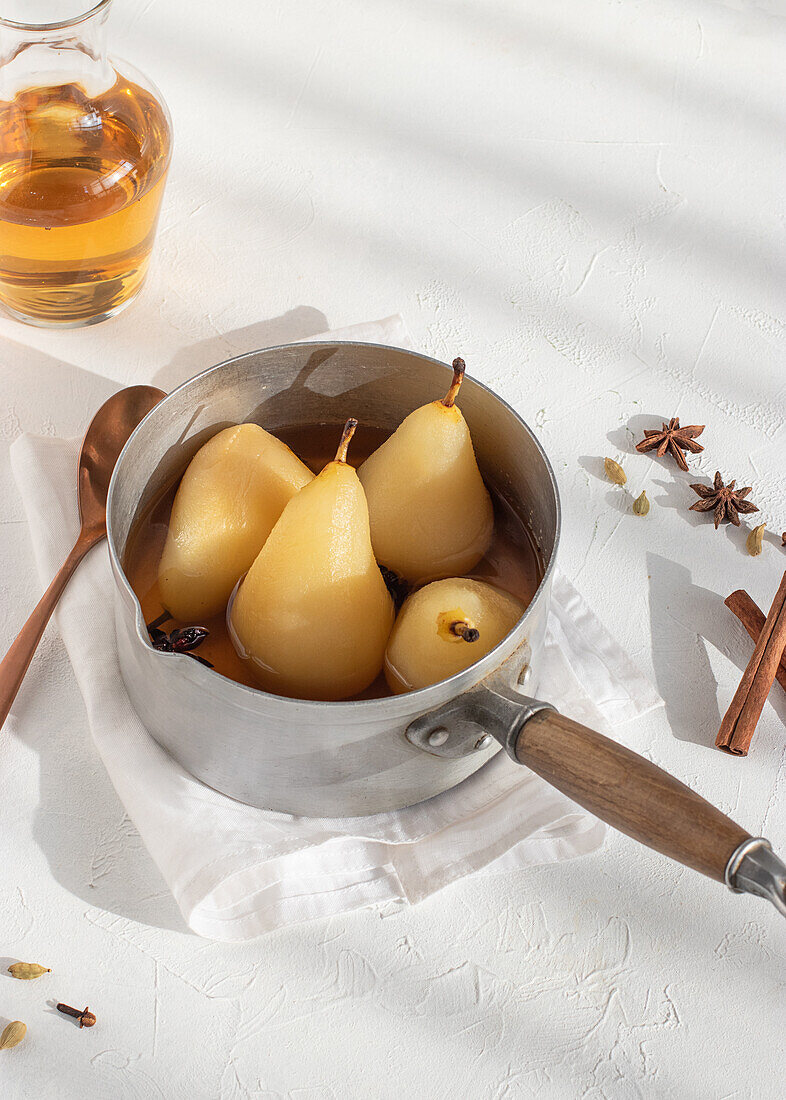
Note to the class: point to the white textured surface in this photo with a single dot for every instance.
(582, 198)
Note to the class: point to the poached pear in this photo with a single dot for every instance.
(233, 491)
(313, 614)
(431, 515)
(444, 628)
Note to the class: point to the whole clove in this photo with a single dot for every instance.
(85, 1016)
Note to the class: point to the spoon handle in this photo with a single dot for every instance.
(17, 660)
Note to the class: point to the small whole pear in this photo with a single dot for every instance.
(231, 494)
(431, 515)
(313, 614)
(444, 628)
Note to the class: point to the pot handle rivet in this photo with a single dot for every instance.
(484, 741)
(438, 737)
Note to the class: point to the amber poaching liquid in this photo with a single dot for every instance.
(81, 182)
(512, 561)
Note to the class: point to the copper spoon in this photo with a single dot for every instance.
(109, 429)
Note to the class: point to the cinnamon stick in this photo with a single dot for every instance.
(752, 618)
(739, 721)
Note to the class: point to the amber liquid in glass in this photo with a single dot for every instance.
(512, 561)
(81, 182)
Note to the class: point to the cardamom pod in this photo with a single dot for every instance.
(754, 541)
(614, 472)
(13, 1035)
(641, 505)
(26, 971)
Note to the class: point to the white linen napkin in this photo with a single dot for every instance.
(236, 871)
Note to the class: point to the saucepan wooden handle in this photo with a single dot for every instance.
(628, 792)
(617, 785)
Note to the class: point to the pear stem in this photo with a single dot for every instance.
(463, 630)
(459, 366)
(346, 435)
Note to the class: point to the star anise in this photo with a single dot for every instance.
(727, 501)
(182, 640)
(674, 439)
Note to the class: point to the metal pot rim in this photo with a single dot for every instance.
(426, 697)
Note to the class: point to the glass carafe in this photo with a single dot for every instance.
(85, 145)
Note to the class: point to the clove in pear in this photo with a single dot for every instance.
(431, 515)
(233, 491)
(313, 613)
(446, 627)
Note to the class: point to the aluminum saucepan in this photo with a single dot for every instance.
(333, 759)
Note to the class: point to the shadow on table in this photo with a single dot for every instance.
(295, 324)
(684, 617)
(651, 902)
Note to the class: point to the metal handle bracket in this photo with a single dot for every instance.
(472, 722)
